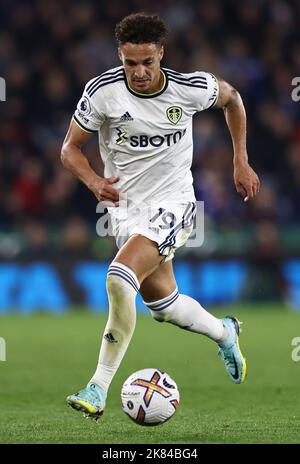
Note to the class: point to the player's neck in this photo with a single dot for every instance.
(157, 86)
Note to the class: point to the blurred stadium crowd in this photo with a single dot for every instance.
(49, 50)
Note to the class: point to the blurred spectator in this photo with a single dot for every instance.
(36, 246)
(27, 190)
(265, 281)
(76, 239)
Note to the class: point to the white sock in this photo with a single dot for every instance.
(188, 314)
(122, 286)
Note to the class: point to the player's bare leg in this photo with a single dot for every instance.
(141, 255)
(160, 284)
(160, 294)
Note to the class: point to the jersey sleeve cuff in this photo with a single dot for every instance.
(217, 96)
(90, 131)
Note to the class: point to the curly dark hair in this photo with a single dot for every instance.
(141, 28)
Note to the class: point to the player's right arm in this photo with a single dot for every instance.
(76, 162)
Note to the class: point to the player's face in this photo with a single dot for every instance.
(142, 66)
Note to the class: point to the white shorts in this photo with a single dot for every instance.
(167, 224)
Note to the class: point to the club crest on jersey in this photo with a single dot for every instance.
(174, 114)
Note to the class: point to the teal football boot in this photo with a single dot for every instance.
(90, 401)
(230, 351)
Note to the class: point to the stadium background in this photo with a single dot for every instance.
(49, 50)
(50, 256)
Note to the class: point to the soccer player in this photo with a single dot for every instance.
(143, 116)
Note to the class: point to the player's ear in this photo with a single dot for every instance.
(119, 54)
(161, 52)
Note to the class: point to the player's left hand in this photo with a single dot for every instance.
(246, 181)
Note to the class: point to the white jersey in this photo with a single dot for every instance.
(146, 139)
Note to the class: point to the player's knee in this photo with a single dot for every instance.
(121, 281)
(114, 285)
(120, 296)
(164, 309)
(121, 303)
(121, 278)
(160, 316)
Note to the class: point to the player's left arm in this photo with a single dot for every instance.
(245, 179)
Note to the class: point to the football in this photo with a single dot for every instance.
(150, 397)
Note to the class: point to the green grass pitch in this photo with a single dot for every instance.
(49, 357)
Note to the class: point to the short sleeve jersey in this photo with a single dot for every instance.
(146, 139)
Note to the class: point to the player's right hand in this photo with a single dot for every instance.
(104, 192)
